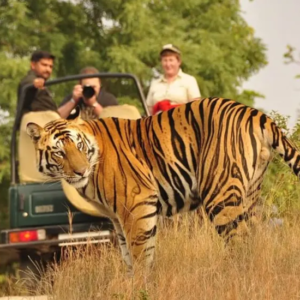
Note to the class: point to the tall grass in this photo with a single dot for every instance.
(191, 262)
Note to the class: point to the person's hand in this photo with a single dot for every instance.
(39, 83)
(91, 101)
(77, 92)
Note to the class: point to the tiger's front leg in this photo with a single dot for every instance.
(122, 243)
(139, 226)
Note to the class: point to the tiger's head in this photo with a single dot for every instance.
(64, 149)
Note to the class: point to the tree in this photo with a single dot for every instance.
(217, 44)
(13, 25)
(289, 56)
(218, 47)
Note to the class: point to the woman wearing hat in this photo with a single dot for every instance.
(174, 87)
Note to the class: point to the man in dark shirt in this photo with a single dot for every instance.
(89, 108)
(38, 98)
(38, 107)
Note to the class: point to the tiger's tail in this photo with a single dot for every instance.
(282, 145)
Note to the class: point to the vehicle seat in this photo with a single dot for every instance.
(121, 111)
(27, 158)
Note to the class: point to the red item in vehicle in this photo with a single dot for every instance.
(163, 106)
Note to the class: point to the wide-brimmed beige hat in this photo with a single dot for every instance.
(170, 47)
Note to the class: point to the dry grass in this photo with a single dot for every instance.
(191, 263)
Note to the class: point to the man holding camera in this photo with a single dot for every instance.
(88, 97)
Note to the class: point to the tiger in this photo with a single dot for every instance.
(210, 154)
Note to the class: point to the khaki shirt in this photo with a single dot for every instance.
(182, 90)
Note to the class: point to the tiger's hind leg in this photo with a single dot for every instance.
(253, 204)
(231, 222)
(226, 209)
(234, 207)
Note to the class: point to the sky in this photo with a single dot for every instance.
(277, 23)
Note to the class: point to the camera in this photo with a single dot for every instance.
(88, 91)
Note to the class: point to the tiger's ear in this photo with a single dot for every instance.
(34, 131)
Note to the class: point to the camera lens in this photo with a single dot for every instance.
(88, 91)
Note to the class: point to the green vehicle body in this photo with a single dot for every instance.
(42, 204)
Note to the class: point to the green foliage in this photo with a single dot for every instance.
(289, 57)
(12, 69)
(218, 47)
(4, 205)
(248, 97)
(144, 295)
(141, 295)
(281, 187)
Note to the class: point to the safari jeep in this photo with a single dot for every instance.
(45, 216)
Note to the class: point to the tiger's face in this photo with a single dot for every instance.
(64, 151)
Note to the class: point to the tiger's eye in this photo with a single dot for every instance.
(59, 154)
